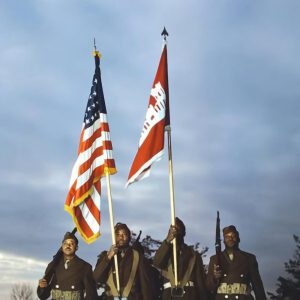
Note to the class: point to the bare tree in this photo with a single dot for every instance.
(21, 291)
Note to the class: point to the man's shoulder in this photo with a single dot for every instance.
(82, 262)
(247, 255)
(213, 257)
(189, 249)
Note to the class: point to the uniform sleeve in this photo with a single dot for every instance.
(146, 279)
(211, 282)
(201, 278)
(44, 293)
(102, 268)
(162, 255)
(256, 281)
(90, 285)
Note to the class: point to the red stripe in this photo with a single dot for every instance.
(97, 173)
(82, 223)
(70, 195)
(84, 145)
(93, 208)
(87, 164)
(97, 153)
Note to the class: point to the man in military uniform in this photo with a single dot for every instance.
(234, 273)
(134, 270)
(72, 277)
(191, 276)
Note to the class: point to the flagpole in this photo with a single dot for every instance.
(171, 183)
(111, 217)
(110, 208)
(172, 201)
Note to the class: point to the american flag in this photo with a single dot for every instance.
(95, 158)
(151, 144)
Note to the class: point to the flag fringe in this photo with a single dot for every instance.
(88, 240)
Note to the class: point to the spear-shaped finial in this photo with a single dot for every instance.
(96, 52)
(95, 44)
(165, 33)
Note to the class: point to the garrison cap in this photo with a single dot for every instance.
(70, 235)
(231, 228)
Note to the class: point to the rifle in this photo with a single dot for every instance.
(137, 245)
(218, 241)
(51, 268)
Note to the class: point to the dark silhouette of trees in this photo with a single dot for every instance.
(148, 245)
(289, 287)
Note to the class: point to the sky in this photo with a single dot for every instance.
(234, 78)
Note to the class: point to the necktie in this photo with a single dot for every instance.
(66, 264)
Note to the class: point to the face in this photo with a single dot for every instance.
(69, 247)
(122, 238)
(230, 240)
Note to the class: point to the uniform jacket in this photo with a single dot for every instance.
(78, 277)
(162, 259)
(242, 269)
(142, 288)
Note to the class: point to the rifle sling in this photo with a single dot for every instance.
(169, 274)
(127, 288)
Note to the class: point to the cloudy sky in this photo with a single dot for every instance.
(234, 78)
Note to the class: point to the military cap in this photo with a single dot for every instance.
(231, 228)
(70, 235)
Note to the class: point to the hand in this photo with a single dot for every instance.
(217, 272)
(171, 234)
(112, 251)
(43, 283)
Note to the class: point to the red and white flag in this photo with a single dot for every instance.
(94, 160)
(151, 144)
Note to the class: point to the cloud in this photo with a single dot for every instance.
(18, 269)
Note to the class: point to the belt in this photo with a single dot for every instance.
(233, 288)
(167, 285)
(66, 295)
